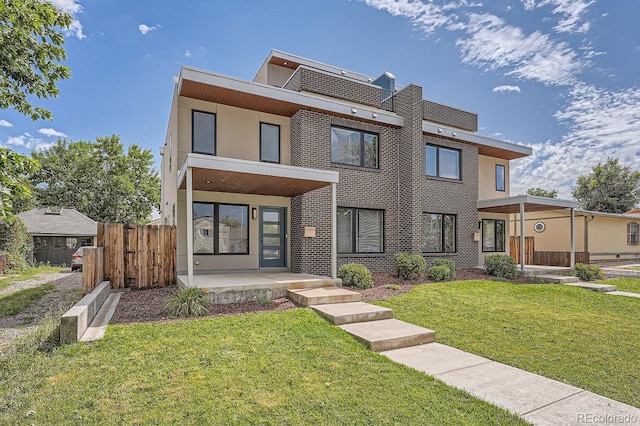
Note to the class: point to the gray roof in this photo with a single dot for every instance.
(69, 223)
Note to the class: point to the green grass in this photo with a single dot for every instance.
(17, 302)
(284, 368)
(7, 280)
(579, 337)
(624, 284)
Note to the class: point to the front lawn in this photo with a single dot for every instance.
(583, 338)
(288, 367)
(624, 284)
(17, 302)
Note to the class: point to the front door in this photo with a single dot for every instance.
(273, 245)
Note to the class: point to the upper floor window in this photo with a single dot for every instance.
(354, 147)
(500, 180)
(360, 230)
(443, 162)
(269, 143)
(632, 234)
(203, 132)
(438, 233)
(492, 235)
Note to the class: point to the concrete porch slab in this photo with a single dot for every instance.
(347, 313)
(384, 335)
(595, 287)
(323, 295)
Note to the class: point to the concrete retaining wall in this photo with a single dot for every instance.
(76, 320)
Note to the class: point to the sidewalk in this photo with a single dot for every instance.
(537, 399)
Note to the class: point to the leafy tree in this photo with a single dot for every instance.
(540, 192)
(99, 179)
(15, 243)
(610, 187)
(13, 169)
(30, 51)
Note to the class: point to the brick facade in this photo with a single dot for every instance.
(449, 116)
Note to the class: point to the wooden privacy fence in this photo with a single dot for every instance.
(514, 249)
(138, 256)
(92, 268)
(558, 258)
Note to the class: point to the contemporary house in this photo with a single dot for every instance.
(58, 232)
(310, 166)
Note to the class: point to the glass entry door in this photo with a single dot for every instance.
(273, 245)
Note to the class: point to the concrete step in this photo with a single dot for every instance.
(595, 287)
(558, 279)
(348, 313)
(389, 334)
(314, 283)
(323, 296)
(99, 324)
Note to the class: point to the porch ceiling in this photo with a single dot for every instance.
(511, 205)
(251, 177)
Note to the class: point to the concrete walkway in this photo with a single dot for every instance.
(537, 399)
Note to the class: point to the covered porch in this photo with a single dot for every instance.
(258, 187)
(520, 205)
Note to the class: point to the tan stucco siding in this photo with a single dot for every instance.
(277, 75)
(204, 263)
(505, 217)
(487, 177)
(557, 233)
(237, 130)
(170, 167)
(608, 238)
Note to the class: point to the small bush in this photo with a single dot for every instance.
(409, 266)
(263, 301)
(393, 287)
(449, 263)
(188, 302)
(355, 275)
(439, 273)
(501, 265)
(16, 244)
(588, 272)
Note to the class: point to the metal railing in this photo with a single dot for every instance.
(386, 98)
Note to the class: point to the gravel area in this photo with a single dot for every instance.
(67, 291)
(620, 271)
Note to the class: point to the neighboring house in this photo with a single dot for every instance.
(605, 237)
(310, 166)
(58, 232)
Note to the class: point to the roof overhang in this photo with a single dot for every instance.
(510, 205)
(486, 146)
(211, 87)
(232, 175)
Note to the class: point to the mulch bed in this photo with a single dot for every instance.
(149, 305)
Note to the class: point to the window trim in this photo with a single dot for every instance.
(279, 142)
(215, 132)
(495, 238)
(354, 229)
(362, 133)
(455, 235)
(437, 175)
(637, 233)
(216, 229)
(504, 178)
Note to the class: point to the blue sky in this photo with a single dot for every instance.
(561, 76)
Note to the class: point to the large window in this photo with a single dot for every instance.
(500, 180)
(220, 228)
(443, 162)
(360, 231)
(632, 233)
(204, 132)
(269, 143)
(492, 235)
(438, 233)
(354, 147)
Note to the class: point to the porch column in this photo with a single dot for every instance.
(189, 229)
(522, 236)
(572, 262)
(334, 233)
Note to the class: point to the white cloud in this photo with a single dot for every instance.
(144, 29)
(428, 17)
(188, 54)
(17, 141)
(506, 88)
(27, 142)
(72, 7)
(5, 123)
(571, 11)
(52, 132)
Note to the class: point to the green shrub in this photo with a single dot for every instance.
(16, 244)
(188, 302)
(537, 280)
(355, 275)
(449, 263)
(409, 266)
(501, 265)
(588, 272)
(439, 273)
(263, 301)
(393, 287)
